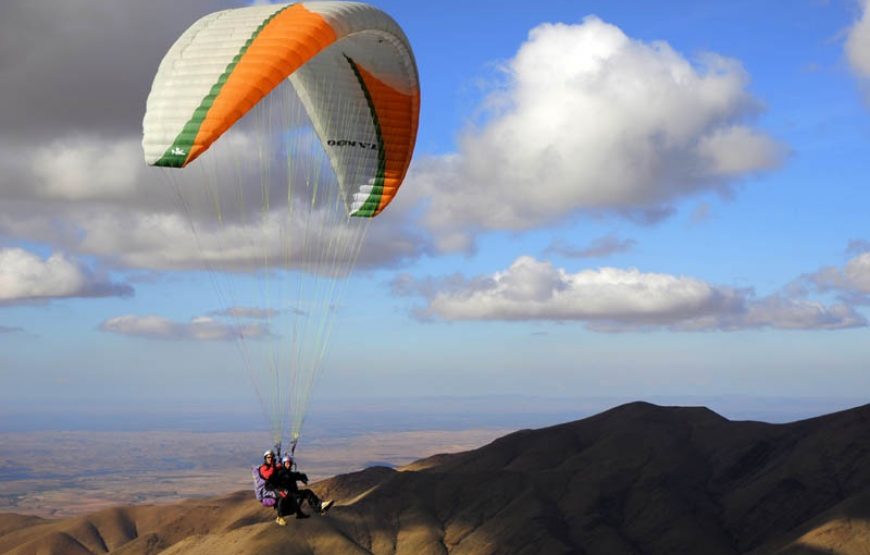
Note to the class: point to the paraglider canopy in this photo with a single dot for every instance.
(350, 63)
(350, 69)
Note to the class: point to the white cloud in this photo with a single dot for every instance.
(852, 280)
(597, 248)
(592, 120)
(858, 43)
(612, 299)
(166, 241)
(857, 273)
(93, 195)
(25, 276)
(735, 151)
(247, 312)
(85, 168)
(202, 328)
(785, 313)
(536, 290)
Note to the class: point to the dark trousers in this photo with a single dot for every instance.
(292, 502)
(309, 497)
(287, 505)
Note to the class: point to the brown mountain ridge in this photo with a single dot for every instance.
(637, 479)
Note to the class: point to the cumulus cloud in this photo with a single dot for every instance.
(25, 276)
(613, 299)
(202, 328)
(597, 248)
(858, 43)
(799, 314)
(852, 281)
(81, 169)
(146, 218)
(248, 312)
(591, 120)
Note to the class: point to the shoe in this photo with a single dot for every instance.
(300, 514)
(326, 506)
(280, 520)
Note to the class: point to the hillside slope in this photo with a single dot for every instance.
(636, 479)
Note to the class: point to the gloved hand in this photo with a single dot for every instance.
(304, 478)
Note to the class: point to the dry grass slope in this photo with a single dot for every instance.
(635, 479)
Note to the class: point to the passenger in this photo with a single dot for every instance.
(286, 482)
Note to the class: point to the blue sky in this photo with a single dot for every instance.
(700, 235)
